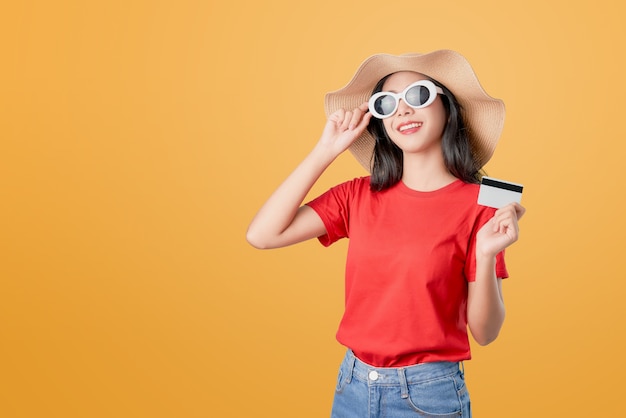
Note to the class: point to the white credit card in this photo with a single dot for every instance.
(496, 193)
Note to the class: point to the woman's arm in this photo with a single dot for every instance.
(281, 221)
(485, 305)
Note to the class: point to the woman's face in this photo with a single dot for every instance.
(414, 130)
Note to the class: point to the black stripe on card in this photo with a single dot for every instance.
(502, 185)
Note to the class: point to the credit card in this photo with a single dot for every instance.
(496, 193)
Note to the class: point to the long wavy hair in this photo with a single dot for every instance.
(387, 164)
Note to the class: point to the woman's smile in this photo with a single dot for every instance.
(409, 127)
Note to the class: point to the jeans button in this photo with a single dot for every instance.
(373, 375)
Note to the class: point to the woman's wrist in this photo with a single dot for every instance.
(485, 262)
(323, 154)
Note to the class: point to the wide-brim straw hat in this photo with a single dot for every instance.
(483, 115)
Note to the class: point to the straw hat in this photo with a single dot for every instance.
(483, 115)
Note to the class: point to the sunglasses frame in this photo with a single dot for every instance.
(432, 89)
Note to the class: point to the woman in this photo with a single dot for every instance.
(425, 261)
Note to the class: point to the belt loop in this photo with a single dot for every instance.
(351, 361)
(462, 368)
(403, 385)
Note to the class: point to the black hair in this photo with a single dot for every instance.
(387, 160)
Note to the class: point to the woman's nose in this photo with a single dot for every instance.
(403, 108)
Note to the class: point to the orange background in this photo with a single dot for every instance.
(138, 139)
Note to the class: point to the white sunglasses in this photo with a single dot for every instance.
(419, 94)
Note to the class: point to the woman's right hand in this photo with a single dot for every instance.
(282, 220)
(343, 127)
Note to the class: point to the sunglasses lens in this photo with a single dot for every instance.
(385, 105)
(417, 96)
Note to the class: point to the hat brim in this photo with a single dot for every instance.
(483, 115)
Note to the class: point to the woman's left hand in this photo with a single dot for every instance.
(500, 231)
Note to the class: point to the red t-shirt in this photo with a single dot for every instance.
(409, 259)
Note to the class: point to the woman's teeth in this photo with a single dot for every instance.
(410, 126)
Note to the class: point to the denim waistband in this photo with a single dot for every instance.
(397, 375)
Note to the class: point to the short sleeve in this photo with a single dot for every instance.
(484, 215)
(333, 207)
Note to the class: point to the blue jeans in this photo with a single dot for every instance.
(423, 390)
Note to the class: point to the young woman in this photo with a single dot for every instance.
(425, 261)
